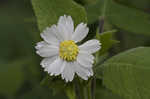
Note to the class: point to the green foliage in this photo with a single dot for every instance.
(59, 86)
(39, 92)
(54, 83)
(12, 77)
(124, 17)
(94, 11)
(127, 74)
(70, 91)
(48, 11)
(16, 48)
(104, 93)
(107, 41)
(140, 4)
(98, 70)
(129, 19)
(86, 2)
(89, 1)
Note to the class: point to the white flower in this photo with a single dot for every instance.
(62, 56)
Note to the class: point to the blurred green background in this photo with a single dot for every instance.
(20, 72)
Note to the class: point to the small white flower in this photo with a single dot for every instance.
(62, 56)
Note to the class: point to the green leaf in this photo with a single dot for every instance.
(48, 11)
(104, 93)
(59, 86)
(127, 74)
(86, 2)
(140, 4)
(106, 40)
(129, 19)
(54, 83)
(94, 11)
(98, 70)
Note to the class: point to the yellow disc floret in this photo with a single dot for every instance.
(68, 50)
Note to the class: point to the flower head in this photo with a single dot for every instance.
(62, 56)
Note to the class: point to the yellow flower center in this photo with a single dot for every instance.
(68, 50)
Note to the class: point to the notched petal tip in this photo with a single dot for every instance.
(39, 45)
(80, 32)
(37, 52)
(90, 46)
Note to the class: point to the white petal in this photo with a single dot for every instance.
(65, 26)
(47, 61)
(40, 44)
(80, 32)
(55, 67)
(51, 35)
(90, 46)
(85, 59)
(68, 72)
(91, 72)
(84, 73)
(46, 50)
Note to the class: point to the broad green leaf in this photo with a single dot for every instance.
(127, 74)
(104, 93)
(129, 19)
(48, 11)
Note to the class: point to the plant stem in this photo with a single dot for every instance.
(89, 91)
(101, 21)
(80, 90)
(104, 8)
(85, 92)
(93, 87)
(77, 89)
(101, 25)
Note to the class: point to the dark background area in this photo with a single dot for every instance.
(20, 72)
